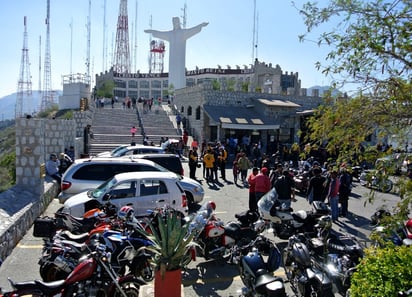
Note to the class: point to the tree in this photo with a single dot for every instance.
(106, 89)
(371, 47)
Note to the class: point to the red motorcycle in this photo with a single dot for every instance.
(93, 276)
(214, 238)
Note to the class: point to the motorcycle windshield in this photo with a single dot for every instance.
(268, 200)
(200, 218)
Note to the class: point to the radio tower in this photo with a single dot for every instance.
(157, 53)
(24, 94)
(122, 54)
(47, 98)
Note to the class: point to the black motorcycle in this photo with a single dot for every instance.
(256, 272)
(306, 279)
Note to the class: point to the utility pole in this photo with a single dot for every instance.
(24, 92)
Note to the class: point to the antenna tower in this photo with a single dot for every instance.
(184, 17)
(47, 98)
(254, 37)
(24, 94)
(157, 53)
(39, 65)
(88, 43)
(122, 53)
(104, 57)
(135, 42)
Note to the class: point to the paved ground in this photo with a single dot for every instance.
(205, 278)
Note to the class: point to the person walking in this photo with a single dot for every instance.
(235, 170)
(344, 190)
(251, 179)
(333, 195)
(133, 131)
(262, 184)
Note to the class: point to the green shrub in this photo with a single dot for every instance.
(383, 272)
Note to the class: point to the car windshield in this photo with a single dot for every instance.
(103, 188)
(115, 150)
(119, 151)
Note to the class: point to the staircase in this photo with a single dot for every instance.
(111, 127)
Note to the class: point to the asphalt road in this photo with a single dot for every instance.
(206, 278)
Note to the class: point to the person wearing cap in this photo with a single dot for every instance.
(52, 168)
(262, 183)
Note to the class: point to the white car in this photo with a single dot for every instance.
(145, 191)
(124, 150)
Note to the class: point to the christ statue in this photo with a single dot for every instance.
(177, 55)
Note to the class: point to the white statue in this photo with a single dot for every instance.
(177, 55)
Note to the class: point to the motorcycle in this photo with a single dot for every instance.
(214, 238)
(335, 254)
(286, 222)
(60, 256)
(255, 272)
(373, 180)
(306, 279)
(93, 276)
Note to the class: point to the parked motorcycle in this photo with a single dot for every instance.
(335, 254)
(374, 180)
(93, 276)
(256, 272)
(399, 235)
(214, 237)
(306, 279)
(60, 256)
(286, 222)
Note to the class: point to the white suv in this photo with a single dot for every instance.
(124, 150)
(87, 174)
(145, 191)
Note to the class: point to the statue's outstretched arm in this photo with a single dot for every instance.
(159, 34)
(194, 30)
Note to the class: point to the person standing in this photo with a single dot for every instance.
(285, 188)
(222, 161)
(193, 161)
(262, 183)
(235, 170)
(251, 179)
(178, 120)
(208, 162)
(244, 165)
(333, 195)
(344, 190)
(316, 189)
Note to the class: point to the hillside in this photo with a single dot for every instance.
(7, 154)
(8, 103)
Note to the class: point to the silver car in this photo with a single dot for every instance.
(127, 150)
(87, 174)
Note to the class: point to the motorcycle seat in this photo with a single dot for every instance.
(66, 234)
(263, 277)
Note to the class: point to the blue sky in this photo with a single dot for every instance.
(227, 40)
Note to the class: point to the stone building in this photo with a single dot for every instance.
(261, 101)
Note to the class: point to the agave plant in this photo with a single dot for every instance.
(171, 240)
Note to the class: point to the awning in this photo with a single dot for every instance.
(239, 118)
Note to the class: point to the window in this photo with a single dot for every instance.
(132, 84)
(144, 84)
(126, 189)
(156, 84)
(182, 109)
(152, 187)
(189, 111)
(198, 113)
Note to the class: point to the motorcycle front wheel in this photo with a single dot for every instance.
(130, 288)
(386, 186)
